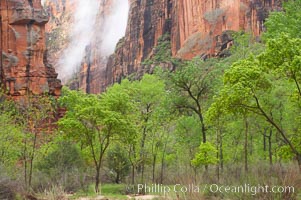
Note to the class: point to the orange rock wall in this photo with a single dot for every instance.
(196, 28)
(148, 20)
(91, 75)
(24, 67)
(203, 21)
(58, 28)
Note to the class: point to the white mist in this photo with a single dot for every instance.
(85, 31)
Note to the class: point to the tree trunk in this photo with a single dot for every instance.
(142, 145)
(132, 151)
(142, 173)
(117, 178)
(204, 132)
(221, 154)
(195, 174)
(299, 161)
(217, 153)
(217, 169)
(142, 153)
(251, 145)
(162, 164)
(246, 144)
(264, 146)
(31, 159)
(97, 180)
(162, 171)
(133, 174)
(25, 163)
(270, 147)
(30, 172)
(154, 167)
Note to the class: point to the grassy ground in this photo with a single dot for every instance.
(111, 191)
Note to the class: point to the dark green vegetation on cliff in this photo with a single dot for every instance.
(229, 121)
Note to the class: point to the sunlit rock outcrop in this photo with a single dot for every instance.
(24, 66)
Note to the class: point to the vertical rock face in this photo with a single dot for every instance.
(93, 67)
(90, 75)
(197, 28)
(198, 25)
(148, 20)
(58, 27)
(24, 67)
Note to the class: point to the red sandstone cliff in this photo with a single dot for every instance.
(58, 28)
(196, 28)
(93, 68)
(24, 66)
(205, 21)
(91, 74)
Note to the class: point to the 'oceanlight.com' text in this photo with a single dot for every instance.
(213, 188)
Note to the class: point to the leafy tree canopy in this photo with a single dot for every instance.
(287, 21)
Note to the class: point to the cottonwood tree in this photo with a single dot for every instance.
(188, 138)
(152, 117)
(249, 83)
(96, 120)
(35, 114)
(148, 97)
(191, 85)
(160, 135)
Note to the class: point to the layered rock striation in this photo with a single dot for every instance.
(24, 66)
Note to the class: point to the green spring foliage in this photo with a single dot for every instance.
(237, 111)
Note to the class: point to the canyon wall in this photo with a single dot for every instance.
(196, 28)
(198, 25)
(80, 52)
(58, 28)
(24, 66)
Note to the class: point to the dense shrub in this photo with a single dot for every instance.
(63, 165)
(119, 163)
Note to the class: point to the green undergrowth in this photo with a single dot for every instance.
(111, 191)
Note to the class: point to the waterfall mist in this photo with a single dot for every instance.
(92, 24)
(114, 26)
